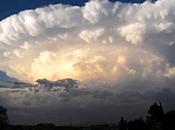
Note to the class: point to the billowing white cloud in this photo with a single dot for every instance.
(34, 23)
(95, 10)
(91, 36)
(55, 28)
(133, 32)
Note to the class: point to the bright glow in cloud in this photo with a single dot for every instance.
(42, 44)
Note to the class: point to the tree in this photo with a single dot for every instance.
(3, 117)
(122, 125)
(169, 121)
(137, 124)
(155, 116)
(155, 113)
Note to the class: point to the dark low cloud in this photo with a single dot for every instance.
(88, 105)
(98, 110)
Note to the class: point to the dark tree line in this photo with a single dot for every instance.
(156, 119)
(3, 117)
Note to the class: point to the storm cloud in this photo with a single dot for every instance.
(122, 53)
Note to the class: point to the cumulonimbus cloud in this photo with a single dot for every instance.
(111, 47)
(33, 32)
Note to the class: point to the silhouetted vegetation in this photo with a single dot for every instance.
(122, 124)
(155, 119)
(3, 117)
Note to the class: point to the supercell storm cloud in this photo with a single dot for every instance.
(107, 56)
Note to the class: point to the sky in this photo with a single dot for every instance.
(97, 59)
(10, 7)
